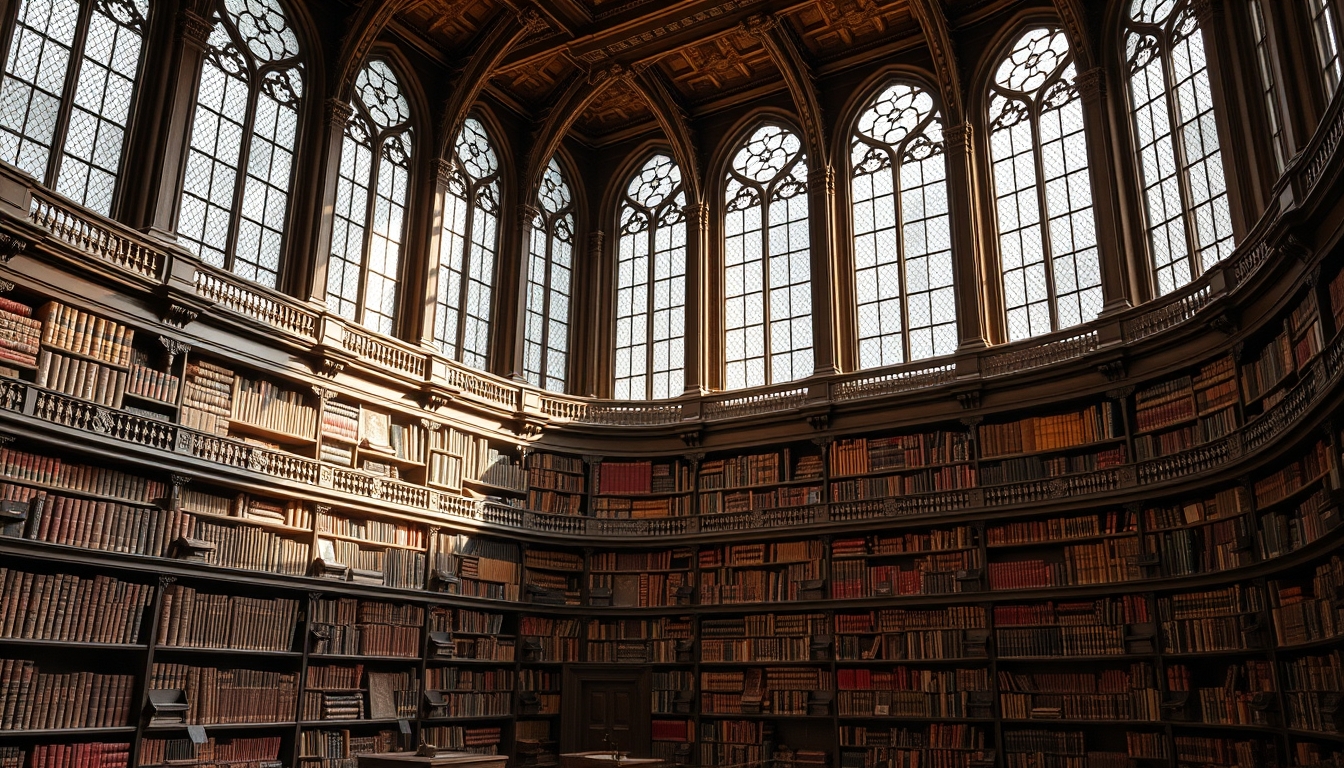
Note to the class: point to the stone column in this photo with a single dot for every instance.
(338, 114)
(963, 210)
(188, 51)
(821, 241)
(1115, 291)
(697, 307)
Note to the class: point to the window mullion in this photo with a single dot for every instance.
(545, 323)
(1043, 217)
(766, 367)
(370, 203)
(1178, 152)
(649, 304)
(68, 89)
(240, 183)
(464, 281)
(902, 293)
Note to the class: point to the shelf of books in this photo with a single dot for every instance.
(556, 484)
(1181, 413)
(642, 490)
(1201, 625)
(741, 492)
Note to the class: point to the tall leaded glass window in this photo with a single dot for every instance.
(467, 248)
(902, 233)
(651, 284)
(1042, 188)
(371, 189)
(550, 269)
(1265, 66)
(767, 275)
(68, 89)
(1185, 194)
(1325, 33)
(240, 164)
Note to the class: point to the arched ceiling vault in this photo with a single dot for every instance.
(610, 71)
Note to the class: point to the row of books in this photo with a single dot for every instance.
(718, 502)
(190, 619)
(383, 531)
(264, 404)
(207, 397)
(860, 456)
(1026, 468)
(949, 478)
(636, 477)
(41, 606)
(31, 699)
(67, 328)
(1049, 433)
(743, 471)
(228, 696)
(150, 384)
(216, 751)
(20, 334)
(1205, 429)
(52, 471)
(86, 379)
(340, 422)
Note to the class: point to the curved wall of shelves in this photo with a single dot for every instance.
(993, 560)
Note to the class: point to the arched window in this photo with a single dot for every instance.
(767, 275)
(68, 90)
(235, 191)
(1264, 64)
(1325, 32)
(1189, 218)
(371, 191)
(550, 266)
(467, 249)
(902, 234)
(651, 283)
(1043, 188)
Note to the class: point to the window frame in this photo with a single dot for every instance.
(69, 85)
(548, 221)
(1194, 254)
(987, 89)
(740, 138)
(378, 137)
(474, 189)
(654, 215)
(863, 101)
(254, 82)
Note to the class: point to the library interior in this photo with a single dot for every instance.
(778, 384)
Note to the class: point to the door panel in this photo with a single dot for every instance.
(605, 706)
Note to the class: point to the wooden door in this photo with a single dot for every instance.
(605, 706)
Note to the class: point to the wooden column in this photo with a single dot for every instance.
(513, 304)
(821, 239)
(1115, 286)
(697, 307)
(590, 372)
(184, 72)
(1228, 91)
(963, 209)
(443, 171)
(338, 114)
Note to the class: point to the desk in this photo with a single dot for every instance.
(441, 760)
(606, 760)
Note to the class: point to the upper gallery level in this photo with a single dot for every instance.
(635, 202)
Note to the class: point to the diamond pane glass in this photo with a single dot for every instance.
(549, 274)
(372, 187)
(1265, 67)
(1326, 37)
(767, 273)
(902, 236)
(1185, 193)
(1042, 187)
(467, 248)
(235, 197)
(650, 283)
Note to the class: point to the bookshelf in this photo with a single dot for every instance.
(1197, 624)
